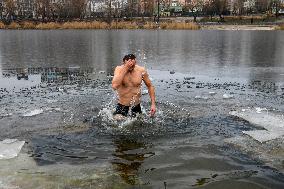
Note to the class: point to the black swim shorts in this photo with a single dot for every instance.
(123, 110)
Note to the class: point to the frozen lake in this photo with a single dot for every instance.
(61, 109)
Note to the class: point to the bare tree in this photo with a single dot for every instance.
(78, 8)
(109, 12)
(250, 7)
(275, 7)
(42, 9)
(148, 7)
(238, 7)
(220, 7)
(1, 9)
(10, 8)
(194, 6)
(262, 6)
(208, 8)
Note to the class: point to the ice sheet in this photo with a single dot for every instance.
(272, 123)
(10, 148)
(264, 135)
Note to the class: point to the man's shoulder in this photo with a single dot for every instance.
(118, 67)
(140, 68)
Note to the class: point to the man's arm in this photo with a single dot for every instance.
(119, 74)
(151, 91)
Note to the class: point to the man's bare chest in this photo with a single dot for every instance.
(132, 79)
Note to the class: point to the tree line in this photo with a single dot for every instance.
(42, 9)
(233, 7)
(64, 10)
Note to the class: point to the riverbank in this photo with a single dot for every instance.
(167, 25)
(241, 27)
(100, 25)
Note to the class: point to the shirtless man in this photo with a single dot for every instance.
(127, 81)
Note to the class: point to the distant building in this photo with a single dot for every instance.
(101, 8)
(281, 11)
(172, 8)
(95, 8)
(176, 8)
(164, 10)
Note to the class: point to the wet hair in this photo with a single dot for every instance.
(129, 56)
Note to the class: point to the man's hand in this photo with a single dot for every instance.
(129, 64)
(153, 110)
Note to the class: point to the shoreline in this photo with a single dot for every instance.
(136, 25)
(240, 27)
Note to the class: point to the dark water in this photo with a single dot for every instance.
(62, 79)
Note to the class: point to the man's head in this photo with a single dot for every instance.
(130, 57)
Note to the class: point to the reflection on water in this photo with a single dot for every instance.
(60, 74)
(130, 155)
(50, 74)
(230, 53)
(263, 86)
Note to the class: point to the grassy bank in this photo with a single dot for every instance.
(281, 27)
(100, 25)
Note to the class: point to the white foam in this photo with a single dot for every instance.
(10, 148)
(106, 114)
(201, 97)
(6, 115)
(144, 92)
(259, 110)
(118, 120)
(33, 113)
(53, 109)
(227, 96)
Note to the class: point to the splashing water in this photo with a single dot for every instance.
(109, 121)
(142, 124)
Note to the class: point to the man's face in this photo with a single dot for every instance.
(133, 61)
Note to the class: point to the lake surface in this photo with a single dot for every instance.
(56, 95)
